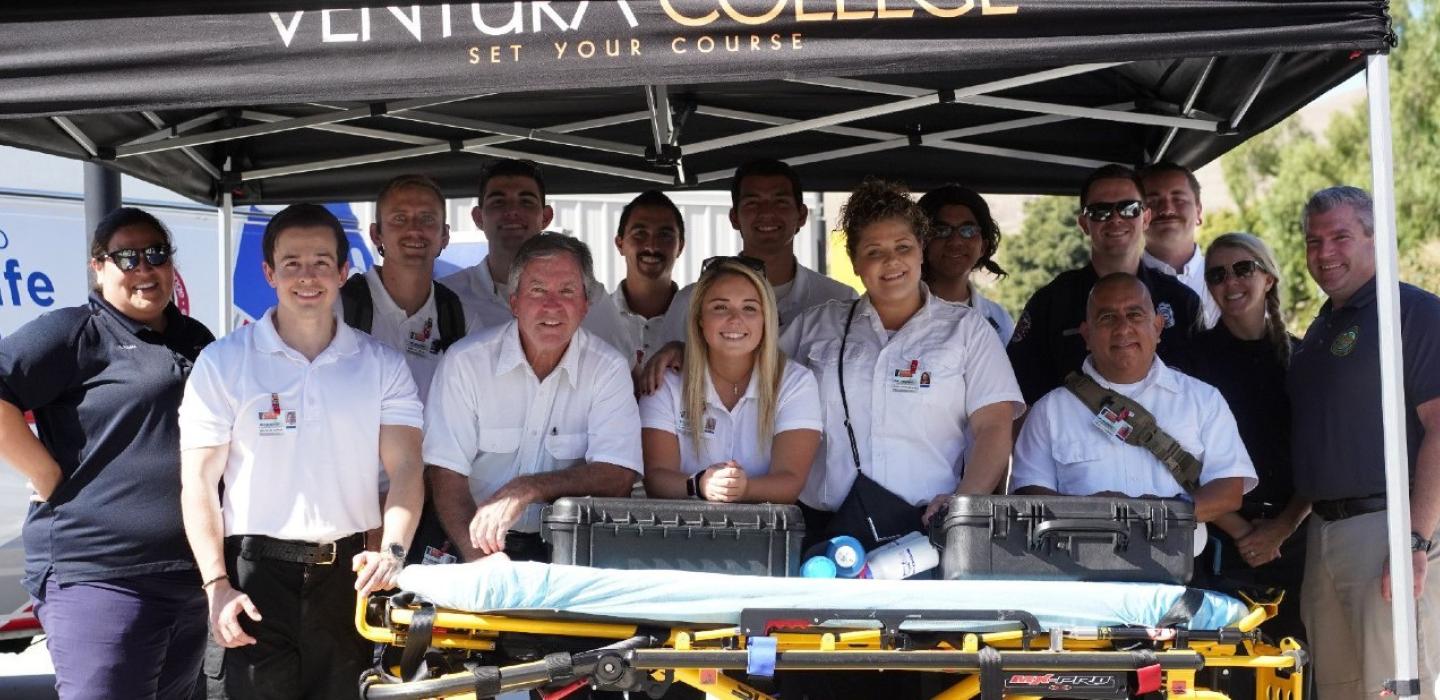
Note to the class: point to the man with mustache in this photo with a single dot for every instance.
(650, 238)
(1047, 343)
(1172, 194)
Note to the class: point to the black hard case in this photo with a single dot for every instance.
(1073, 538)
(685, 535)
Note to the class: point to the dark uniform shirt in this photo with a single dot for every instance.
(1334, 383)
(105, 391)
(1047, 345)
(1250, 376)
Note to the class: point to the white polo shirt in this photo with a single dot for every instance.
(1192, 275)
(807, 290)
(417, 337)
(487, 305)
(1061, 448)
(732, 434)
(910, 394)
(304, 436)
(642, 335)
(492, 420)
(993, 312)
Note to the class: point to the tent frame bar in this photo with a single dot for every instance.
(164, 131)
(190, 153)
(1255, 89)
(540, 135)
(1186, 108)
(76, 135)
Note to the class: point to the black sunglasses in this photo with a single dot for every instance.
(128, 259)
(966, 231)
(755, 264)
(1242, 269)
(1102, 211)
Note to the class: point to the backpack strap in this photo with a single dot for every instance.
(452, 316)
(355, 302)
(1143, 432)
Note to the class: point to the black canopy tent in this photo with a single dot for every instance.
(280, 101)
(252, 101)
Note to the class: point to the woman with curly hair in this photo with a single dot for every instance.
(963, 238)
(906, 381)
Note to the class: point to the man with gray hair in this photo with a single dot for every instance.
(529, 411)
(1337, 443)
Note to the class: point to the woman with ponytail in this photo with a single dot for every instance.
(1246, 356)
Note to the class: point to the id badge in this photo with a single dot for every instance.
(436, 556)
(1114, 424)
(417, 347)
(278, 425)
(906, 380)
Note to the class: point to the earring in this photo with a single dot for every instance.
(380, 248)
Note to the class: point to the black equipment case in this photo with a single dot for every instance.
(1073, 538)
(686, 535)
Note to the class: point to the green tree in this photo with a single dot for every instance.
(1049, 243)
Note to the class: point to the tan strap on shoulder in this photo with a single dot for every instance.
(1145, 432)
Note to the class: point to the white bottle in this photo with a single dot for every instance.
(903, 558)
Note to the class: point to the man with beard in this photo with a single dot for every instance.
(650, 238)
(1172, 194)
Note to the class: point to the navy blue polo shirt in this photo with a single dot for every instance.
(1251, 377)
(1047, 345)
(105, 390)
(1338, 441)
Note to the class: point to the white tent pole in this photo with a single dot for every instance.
(1392, 392)
(226, 224)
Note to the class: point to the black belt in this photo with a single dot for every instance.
(299, 552)
(1342, 508)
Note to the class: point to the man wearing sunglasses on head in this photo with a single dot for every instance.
(1172, 194)
(1047, 344)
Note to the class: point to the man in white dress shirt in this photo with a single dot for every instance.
(1172, 194)
(527, 412)
(1064, 450)
(650, 238)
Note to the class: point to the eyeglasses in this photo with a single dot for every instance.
(755, 264)
(942, 231)
(128, 259)
(1242, 269)
(1102, 211)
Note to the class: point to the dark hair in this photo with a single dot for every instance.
(304, 216)
(955, 195)
(546, 245)
(878, 200)
(1323, 201)
(651, 198)
(512, 167)
(121, 218)
(401, 182)
(765, 167)
(1168, 166)
(1111, 172)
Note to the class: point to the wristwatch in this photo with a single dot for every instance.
(1420, 544)
(397, 550)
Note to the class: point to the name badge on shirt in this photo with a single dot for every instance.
(277, 421)
(1116, 424)
(910, 379)
(685, 427)
(423, 342)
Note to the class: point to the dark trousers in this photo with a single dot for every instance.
(306, 644)
(137, 637)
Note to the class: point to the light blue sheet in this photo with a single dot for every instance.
(496, 584)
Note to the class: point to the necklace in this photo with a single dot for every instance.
(734, 385)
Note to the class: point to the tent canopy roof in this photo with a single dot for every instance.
(278, 101)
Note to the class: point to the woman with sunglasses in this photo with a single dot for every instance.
(107, 563)
(963, 238)
(906, 381)
(1246, 356)
(741, 422)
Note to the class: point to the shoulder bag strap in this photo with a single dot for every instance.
(840, 366)
(1146, 433)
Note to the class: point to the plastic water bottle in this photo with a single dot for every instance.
(847, 554)
(818, 567)
(901, 559)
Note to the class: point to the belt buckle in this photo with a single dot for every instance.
(327, 554)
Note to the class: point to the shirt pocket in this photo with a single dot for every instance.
(499, 440)
(1080, 467)
(566, 447)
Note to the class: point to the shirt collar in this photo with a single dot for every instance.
(623, 303)
(752, 389)
(512, 355)
(1189, 268)
(134, 327)
(1159, 375)
(380, 297)
(867, 310)
(1363, 297)
(267, 339)
(482, 280)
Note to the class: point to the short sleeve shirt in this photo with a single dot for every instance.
(1061, 448)
(490, 418)
(303, 435)
(104, 390)
(1047, 344)
(642, 336)
(807, 290)
(732, 434)
(1335, 392)
(416, 337)
(910, 394)
(993, 312)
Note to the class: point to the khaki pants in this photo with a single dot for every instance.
(1349, 624)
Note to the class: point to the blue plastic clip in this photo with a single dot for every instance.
(760, 655)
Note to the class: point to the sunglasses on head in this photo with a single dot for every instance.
(942, 231)
(755, 264)
(1102, 211)
(1242, 269)
(128, 259)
